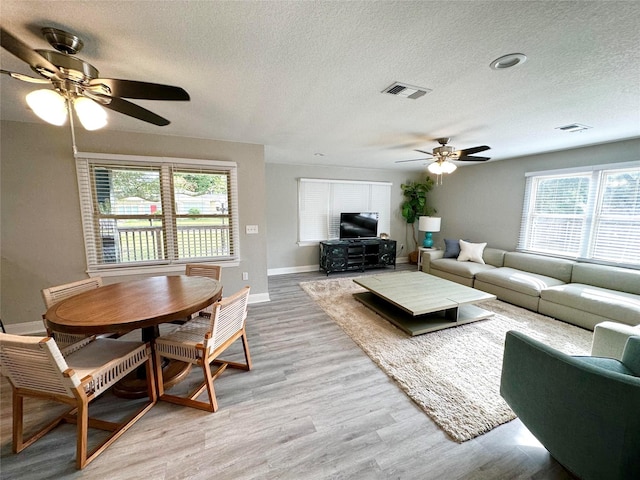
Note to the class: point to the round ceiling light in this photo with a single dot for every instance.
(508, 61)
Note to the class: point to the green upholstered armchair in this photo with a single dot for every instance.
(584, 410)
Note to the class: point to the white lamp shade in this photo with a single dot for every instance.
(438, 168)
(91, 115)
(448, 167)
(49, 105)
(429, 224)
(435, 168)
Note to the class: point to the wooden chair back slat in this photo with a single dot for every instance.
(36, 364)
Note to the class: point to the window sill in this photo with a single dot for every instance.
(177, 268)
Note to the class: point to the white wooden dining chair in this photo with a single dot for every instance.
(67, 342)
(36, 368)
(201, 343)
(204, 270)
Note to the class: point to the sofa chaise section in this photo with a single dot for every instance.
(523, 278)
(597, 293)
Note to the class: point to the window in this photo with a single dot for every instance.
(156, 211)
(589, 214)
(320, 203)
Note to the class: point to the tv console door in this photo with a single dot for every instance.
(362, 254)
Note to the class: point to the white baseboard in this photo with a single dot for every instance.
(287, 270)
(26, 328)
(259, 298)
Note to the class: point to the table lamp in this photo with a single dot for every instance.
(428, 225)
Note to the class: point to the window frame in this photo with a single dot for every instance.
(590, 219)
(166, 166)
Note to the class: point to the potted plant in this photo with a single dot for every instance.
(415, 206)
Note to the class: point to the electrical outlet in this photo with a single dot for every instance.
(245, 275)
(251, 229)
(401, 246)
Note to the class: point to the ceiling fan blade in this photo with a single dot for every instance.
(472, 150)
(413, 160)
(426, 153)
(468, 158)
(25, 78)
(133, 110)
(141, 90)
(25, 53)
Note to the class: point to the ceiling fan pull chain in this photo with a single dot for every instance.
(73, 130)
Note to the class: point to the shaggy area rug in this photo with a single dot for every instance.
(452, 374)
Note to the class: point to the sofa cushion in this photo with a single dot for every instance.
(451, 248)
(462, 269)
(517, 280)
(558, 268)
(615, 278)
(618, 306)
(494, 256)
(471, 252)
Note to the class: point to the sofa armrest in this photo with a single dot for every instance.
(609, 339)
(428, 256)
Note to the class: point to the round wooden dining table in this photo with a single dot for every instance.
(145, 303)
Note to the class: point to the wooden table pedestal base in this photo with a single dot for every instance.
(132, 386)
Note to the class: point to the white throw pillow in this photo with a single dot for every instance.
(471, 252)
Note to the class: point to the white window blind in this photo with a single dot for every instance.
(590, 214)
(321, 201)
(156, 211)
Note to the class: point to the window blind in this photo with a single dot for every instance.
(590, 214)
(154, 210)
(320, 202)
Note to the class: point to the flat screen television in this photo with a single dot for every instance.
(358, 225)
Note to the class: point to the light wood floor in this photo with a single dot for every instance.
(314, 407)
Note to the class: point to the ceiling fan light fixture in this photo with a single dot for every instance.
(49, 105)
(92, 115)
(448, 167)
(441, 166)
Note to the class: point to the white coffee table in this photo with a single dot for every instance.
(418, 303)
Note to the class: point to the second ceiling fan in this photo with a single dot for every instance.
(444, 154)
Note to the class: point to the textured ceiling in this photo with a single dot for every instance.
(306, 77)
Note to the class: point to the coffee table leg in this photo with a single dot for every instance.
(451, 314)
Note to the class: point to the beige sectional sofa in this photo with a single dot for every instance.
(583, 294)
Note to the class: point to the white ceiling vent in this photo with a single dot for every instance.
(408, 91)
(574, 127)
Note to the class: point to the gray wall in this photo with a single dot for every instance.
(282, 211)
(41, 230)
(483, 202)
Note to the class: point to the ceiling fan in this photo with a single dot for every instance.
(77, 82)
(445, 153)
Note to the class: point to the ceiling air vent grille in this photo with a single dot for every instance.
(407, 91)
(574, 127)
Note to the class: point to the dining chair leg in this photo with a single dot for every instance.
(157, 362)
(18, 410)
(19, 443)
(247, 354)
(213, 401)
(152, 385)
(82, 420)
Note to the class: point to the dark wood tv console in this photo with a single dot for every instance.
(357, 254)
